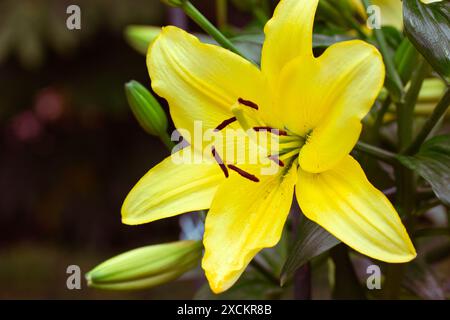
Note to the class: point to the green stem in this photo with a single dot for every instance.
(406, 110)
(437, 114)
(377, 153)
(388, 61)
(405, 178)
(347, 285)
(380, 117)
(209, 28)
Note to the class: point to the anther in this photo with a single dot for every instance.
(248, 103)
(277, 160)
(225, 123)
(277, 132)
(220, 162)
(243, 173)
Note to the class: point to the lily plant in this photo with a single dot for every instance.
(301, 113)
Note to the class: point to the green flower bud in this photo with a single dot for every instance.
(146, 267)
(146, 109)
(174, 3)
(140, 37)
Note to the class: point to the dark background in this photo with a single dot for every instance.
(70, 149)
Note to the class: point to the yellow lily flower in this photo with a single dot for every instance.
(315, 103)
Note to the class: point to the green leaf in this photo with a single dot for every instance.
(405, 59)
(421, 281)
(313, 240)
(432, 163)
(428, 28)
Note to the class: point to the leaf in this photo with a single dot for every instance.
(420, 280)
(432, 163)
(313, 240)
(405, 60)
(428, 28)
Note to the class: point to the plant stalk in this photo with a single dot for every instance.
(388, 61)
(437, 114)
(376, 152)
(209, 28)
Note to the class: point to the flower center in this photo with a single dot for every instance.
(284, 145)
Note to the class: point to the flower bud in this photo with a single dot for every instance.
(146, 267)
(140, 37)
(146, 109)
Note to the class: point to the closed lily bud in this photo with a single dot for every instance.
(140, 37)
(146, 267)
(146, 109)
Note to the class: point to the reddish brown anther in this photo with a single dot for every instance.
(248, 103)
(278, 132)
(225, 123)
(220, 162)
(243, 173)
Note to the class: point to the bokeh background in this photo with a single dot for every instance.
(70, 149)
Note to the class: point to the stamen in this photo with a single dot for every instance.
(277, 160)
(248, 103)
(243, 173)
(290, 154)
(277, 132)
(225, 123)
(220, 162)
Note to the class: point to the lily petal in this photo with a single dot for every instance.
(288, 36)
(201, 82)
(244, 218)
(344, 202)
(169, 189)
(350, 75)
